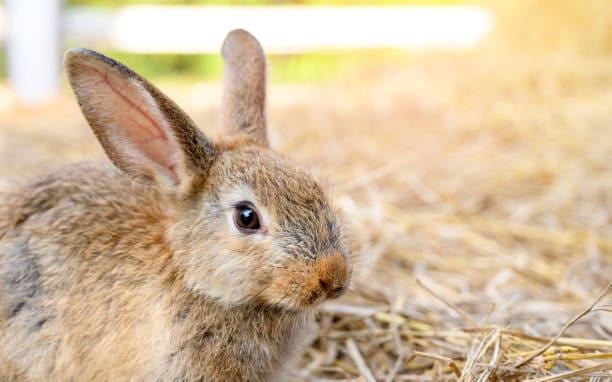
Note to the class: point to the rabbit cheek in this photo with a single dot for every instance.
(229, 283)
(287, 285)
(226, 269)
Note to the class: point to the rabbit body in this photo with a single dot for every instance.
(113, 305)
(196, 261)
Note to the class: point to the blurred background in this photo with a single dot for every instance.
(469, 144)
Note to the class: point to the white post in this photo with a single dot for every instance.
(33, 49)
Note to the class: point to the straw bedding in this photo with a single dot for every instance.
(479, 190)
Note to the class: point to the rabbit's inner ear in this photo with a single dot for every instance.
(128, 123)
(142, 131)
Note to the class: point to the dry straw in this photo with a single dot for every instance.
(479, 190)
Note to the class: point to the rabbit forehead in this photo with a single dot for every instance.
(298, 209)
(271, 179)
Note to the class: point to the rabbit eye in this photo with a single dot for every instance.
(246, 218)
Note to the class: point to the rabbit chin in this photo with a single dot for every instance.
(300, 302)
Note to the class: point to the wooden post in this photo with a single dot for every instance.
(33, 49)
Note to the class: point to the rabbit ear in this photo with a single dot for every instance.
(244, 88)
(143, 132)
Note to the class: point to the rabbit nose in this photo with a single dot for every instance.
(333, 273)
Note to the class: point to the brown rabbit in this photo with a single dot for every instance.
(198, 261)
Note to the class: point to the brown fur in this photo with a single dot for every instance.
(103, 277)
(245, 71)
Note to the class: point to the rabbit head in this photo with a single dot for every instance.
(245, 225)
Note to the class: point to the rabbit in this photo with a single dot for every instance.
(188, 260)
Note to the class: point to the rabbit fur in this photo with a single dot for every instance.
(141, 274)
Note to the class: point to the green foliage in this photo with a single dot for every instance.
(202, 66)
(323, 66)
(283, 68)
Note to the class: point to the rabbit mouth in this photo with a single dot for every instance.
(314, 298)
(321, 295)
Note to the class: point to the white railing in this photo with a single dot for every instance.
(194, 29)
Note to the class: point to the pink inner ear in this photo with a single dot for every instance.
(136, 120)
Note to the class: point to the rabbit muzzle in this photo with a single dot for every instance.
(305, 284)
